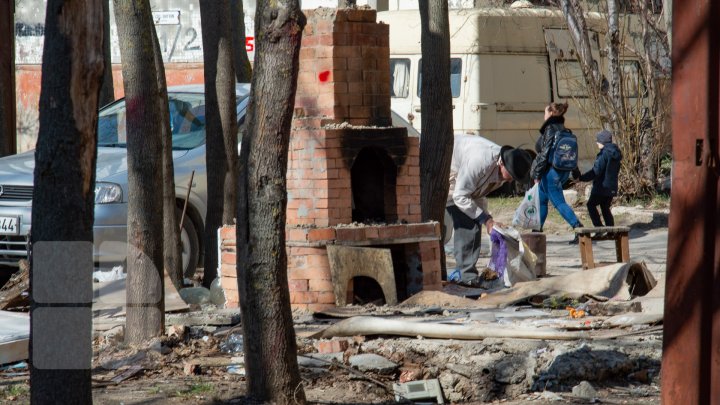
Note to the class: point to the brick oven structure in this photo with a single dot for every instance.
(352, 179)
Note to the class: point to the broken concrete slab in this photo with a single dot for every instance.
(373, 362)
(14, 336)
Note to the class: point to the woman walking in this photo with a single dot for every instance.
(549, 177)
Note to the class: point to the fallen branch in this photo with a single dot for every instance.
(368, 325)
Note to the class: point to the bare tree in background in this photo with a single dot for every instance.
(243, 69)
(221, 127)
(270, 346)
(107, 92)
(145, 304)
(63, 204)
(640, 129)
(436, 148)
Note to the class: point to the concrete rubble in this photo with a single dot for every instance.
(568, 338)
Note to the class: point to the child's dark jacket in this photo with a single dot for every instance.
(605, 171)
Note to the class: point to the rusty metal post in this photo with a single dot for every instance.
(691, 341)
(8, 135)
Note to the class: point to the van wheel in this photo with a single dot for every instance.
(190, 247)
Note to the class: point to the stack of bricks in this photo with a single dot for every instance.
(342, 106)
(345, 67)
(319, 179)
(228, 271)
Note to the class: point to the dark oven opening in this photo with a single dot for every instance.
(373, 180)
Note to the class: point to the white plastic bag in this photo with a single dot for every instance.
(527, 214)
(520, 260)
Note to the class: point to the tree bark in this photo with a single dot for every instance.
(63, 204)
(145, 304)
(107, 92)
(270, 349)
(172, 246)
(436, 148)
(243, 68)
(8, 135)
(616, 87)
(221, 126)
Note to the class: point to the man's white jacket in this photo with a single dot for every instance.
(474, 173)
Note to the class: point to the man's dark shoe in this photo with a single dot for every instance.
(479, 282)
(474, 283)
(575, 240)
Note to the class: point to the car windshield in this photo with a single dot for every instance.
(187, 122)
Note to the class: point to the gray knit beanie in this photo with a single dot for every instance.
(604, 136)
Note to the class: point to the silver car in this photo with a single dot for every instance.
(187, 121)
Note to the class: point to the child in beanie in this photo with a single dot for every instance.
(604, 176)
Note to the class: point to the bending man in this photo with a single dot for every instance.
(478, 167)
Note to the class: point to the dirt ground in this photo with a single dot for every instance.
(202, 364)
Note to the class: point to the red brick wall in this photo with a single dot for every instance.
(309, 277)
(345, 67)
(343, 90)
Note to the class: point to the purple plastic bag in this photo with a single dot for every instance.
(498, 257)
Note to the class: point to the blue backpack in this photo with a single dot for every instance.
(564, 153)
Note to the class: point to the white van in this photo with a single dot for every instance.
(506, 66)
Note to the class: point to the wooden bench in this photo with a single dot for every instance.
(617, 233)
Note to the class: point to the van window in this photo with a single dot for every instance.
(399, 77)
(633, 81)
(455, 76)
(570, 80)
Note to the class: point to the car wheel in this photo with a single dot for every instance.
(190, 247)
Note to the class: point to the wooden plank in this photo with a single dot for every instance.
(11, 294)
(624, 248)
(601, 229)
(586, 252)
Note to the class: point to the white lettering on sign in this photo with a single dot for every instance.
(166, 17)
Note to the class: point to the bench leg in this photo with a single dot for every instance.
(586, 253)
(622, 248)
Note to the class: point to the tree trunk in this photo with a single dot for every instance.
(8, 135)
(436, 148)
(107, 92)
(617, 96)
(270, 349)
(172, 246)
(243, 69)
(220, 127)
(145, 304)
(63, 204)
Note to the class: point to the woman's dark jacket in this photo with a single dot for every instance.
(544, 144)
(604, 173)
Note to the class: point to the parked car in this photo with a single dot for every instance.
(187, 122)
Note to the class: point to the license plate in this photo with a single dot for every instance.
(9, 225)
